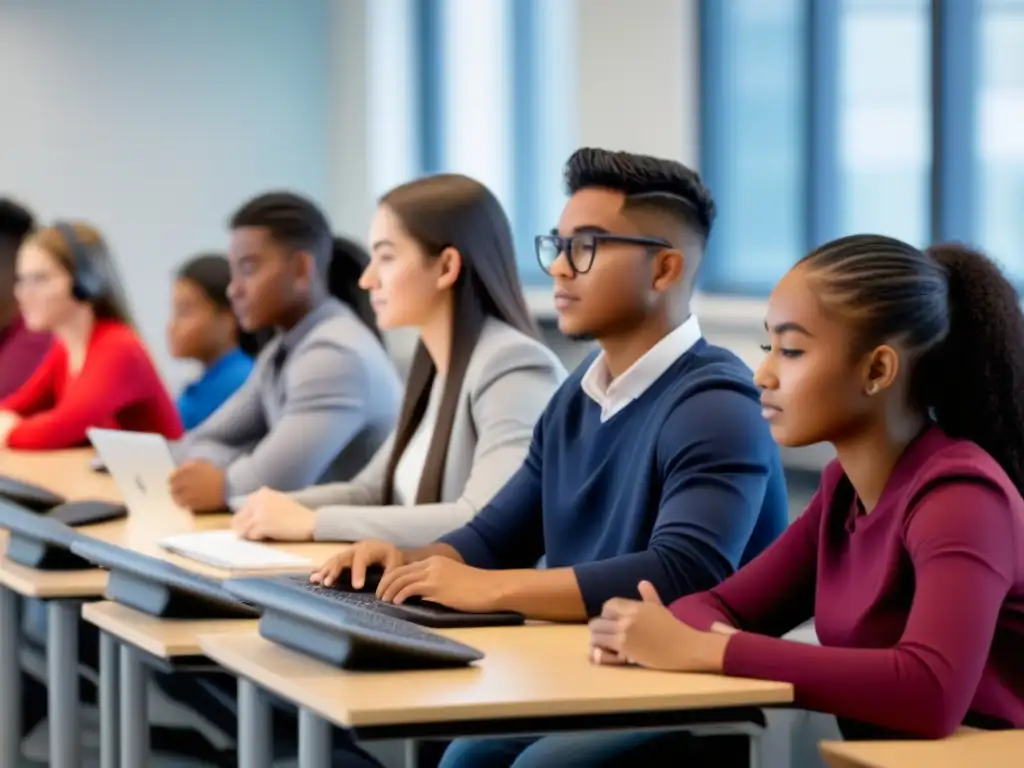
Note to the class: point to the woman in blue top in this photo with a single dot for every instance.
(204, 328)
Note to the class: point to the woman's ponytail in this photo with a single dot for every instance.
(976, 377)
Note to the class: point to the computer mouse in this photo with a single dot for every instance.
(28, 495)
(90, 512)
(373, 576)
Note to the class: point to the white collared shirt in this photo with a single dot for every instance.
(614, 395)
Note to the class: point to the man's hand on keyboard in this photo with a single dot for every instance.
(358, 558)
(445, 581)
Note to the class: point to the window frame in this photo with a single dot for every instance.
(955, 51)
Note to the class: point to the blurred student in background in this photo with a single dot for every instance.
(204, 328)
(443, 262)
(21, 350)
(98, 373)
(323, 395)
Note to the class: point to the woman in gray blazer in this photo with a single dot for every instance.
(442, 262)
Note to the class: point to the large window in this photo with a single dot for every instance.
(1000, 134)
(493, 78)
(884, 118)
(828, 117)
(752, 140)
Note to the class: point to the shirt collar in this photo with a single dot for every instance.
(291, 338)
(223, 361)
(614, 395)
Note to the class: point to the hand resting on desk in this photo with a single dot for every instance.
(199, 486)
(644, 632)
(273, 516)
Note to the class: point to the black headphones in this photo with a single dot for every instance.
(88, 283)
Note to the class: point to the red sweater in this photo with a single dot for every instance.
(919, 606)
(117, 388)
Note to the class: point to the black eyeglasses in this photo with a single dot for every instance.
(581, 248)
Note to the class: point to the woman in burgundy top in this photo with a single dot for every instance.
(910, 557)
(98, 373)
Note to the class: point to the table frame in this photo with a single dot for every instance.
(703, 716)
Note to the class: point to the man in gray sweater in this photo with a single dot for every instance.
(323, 394)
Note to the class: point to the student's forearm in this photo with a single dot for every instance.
(545, 594)
(437, 549)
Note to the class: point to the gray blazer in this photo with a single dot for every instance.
(320, 401)
(508, 382)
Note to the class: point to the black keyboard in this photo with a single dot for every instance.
(159, 588)
(39, 540)
(422, 612)
(21, 521)
(344, 633)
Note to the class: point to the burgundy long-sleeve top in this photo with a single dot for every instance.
(919, 605)
(21, 352)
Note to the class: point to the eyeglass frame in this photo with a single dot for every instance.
(565, 242)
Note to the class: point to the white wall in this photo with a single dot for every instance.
(156, 119)
(638, 76)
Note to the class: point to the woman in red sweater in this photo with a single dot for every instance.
(98, 374)
(910, 557)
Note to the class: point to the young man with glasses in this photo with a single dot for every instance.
(651, 463)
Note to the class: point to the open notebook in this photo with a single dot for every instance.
(223, 549)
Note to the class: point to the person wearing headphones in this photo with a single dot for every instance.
(98, 373)
(21, 350)
(204, 328)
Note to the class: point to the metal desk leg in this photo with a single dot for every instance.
(109, 674)
(10, 680)
(62, 674)
(411, 747)
(314, 741)
(134, 709)
(255, 732)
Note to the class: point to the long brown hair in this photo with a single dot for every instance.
(91, 266)
(453, 211)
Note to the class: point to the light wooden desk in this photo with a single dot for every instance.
(66, 473)
(977, 749)
(127, 647)
(534, 679)
(122, 673)
(164, 639)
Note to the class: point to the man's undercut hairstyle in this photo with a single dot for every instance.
(293, 221)
(648, 182)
